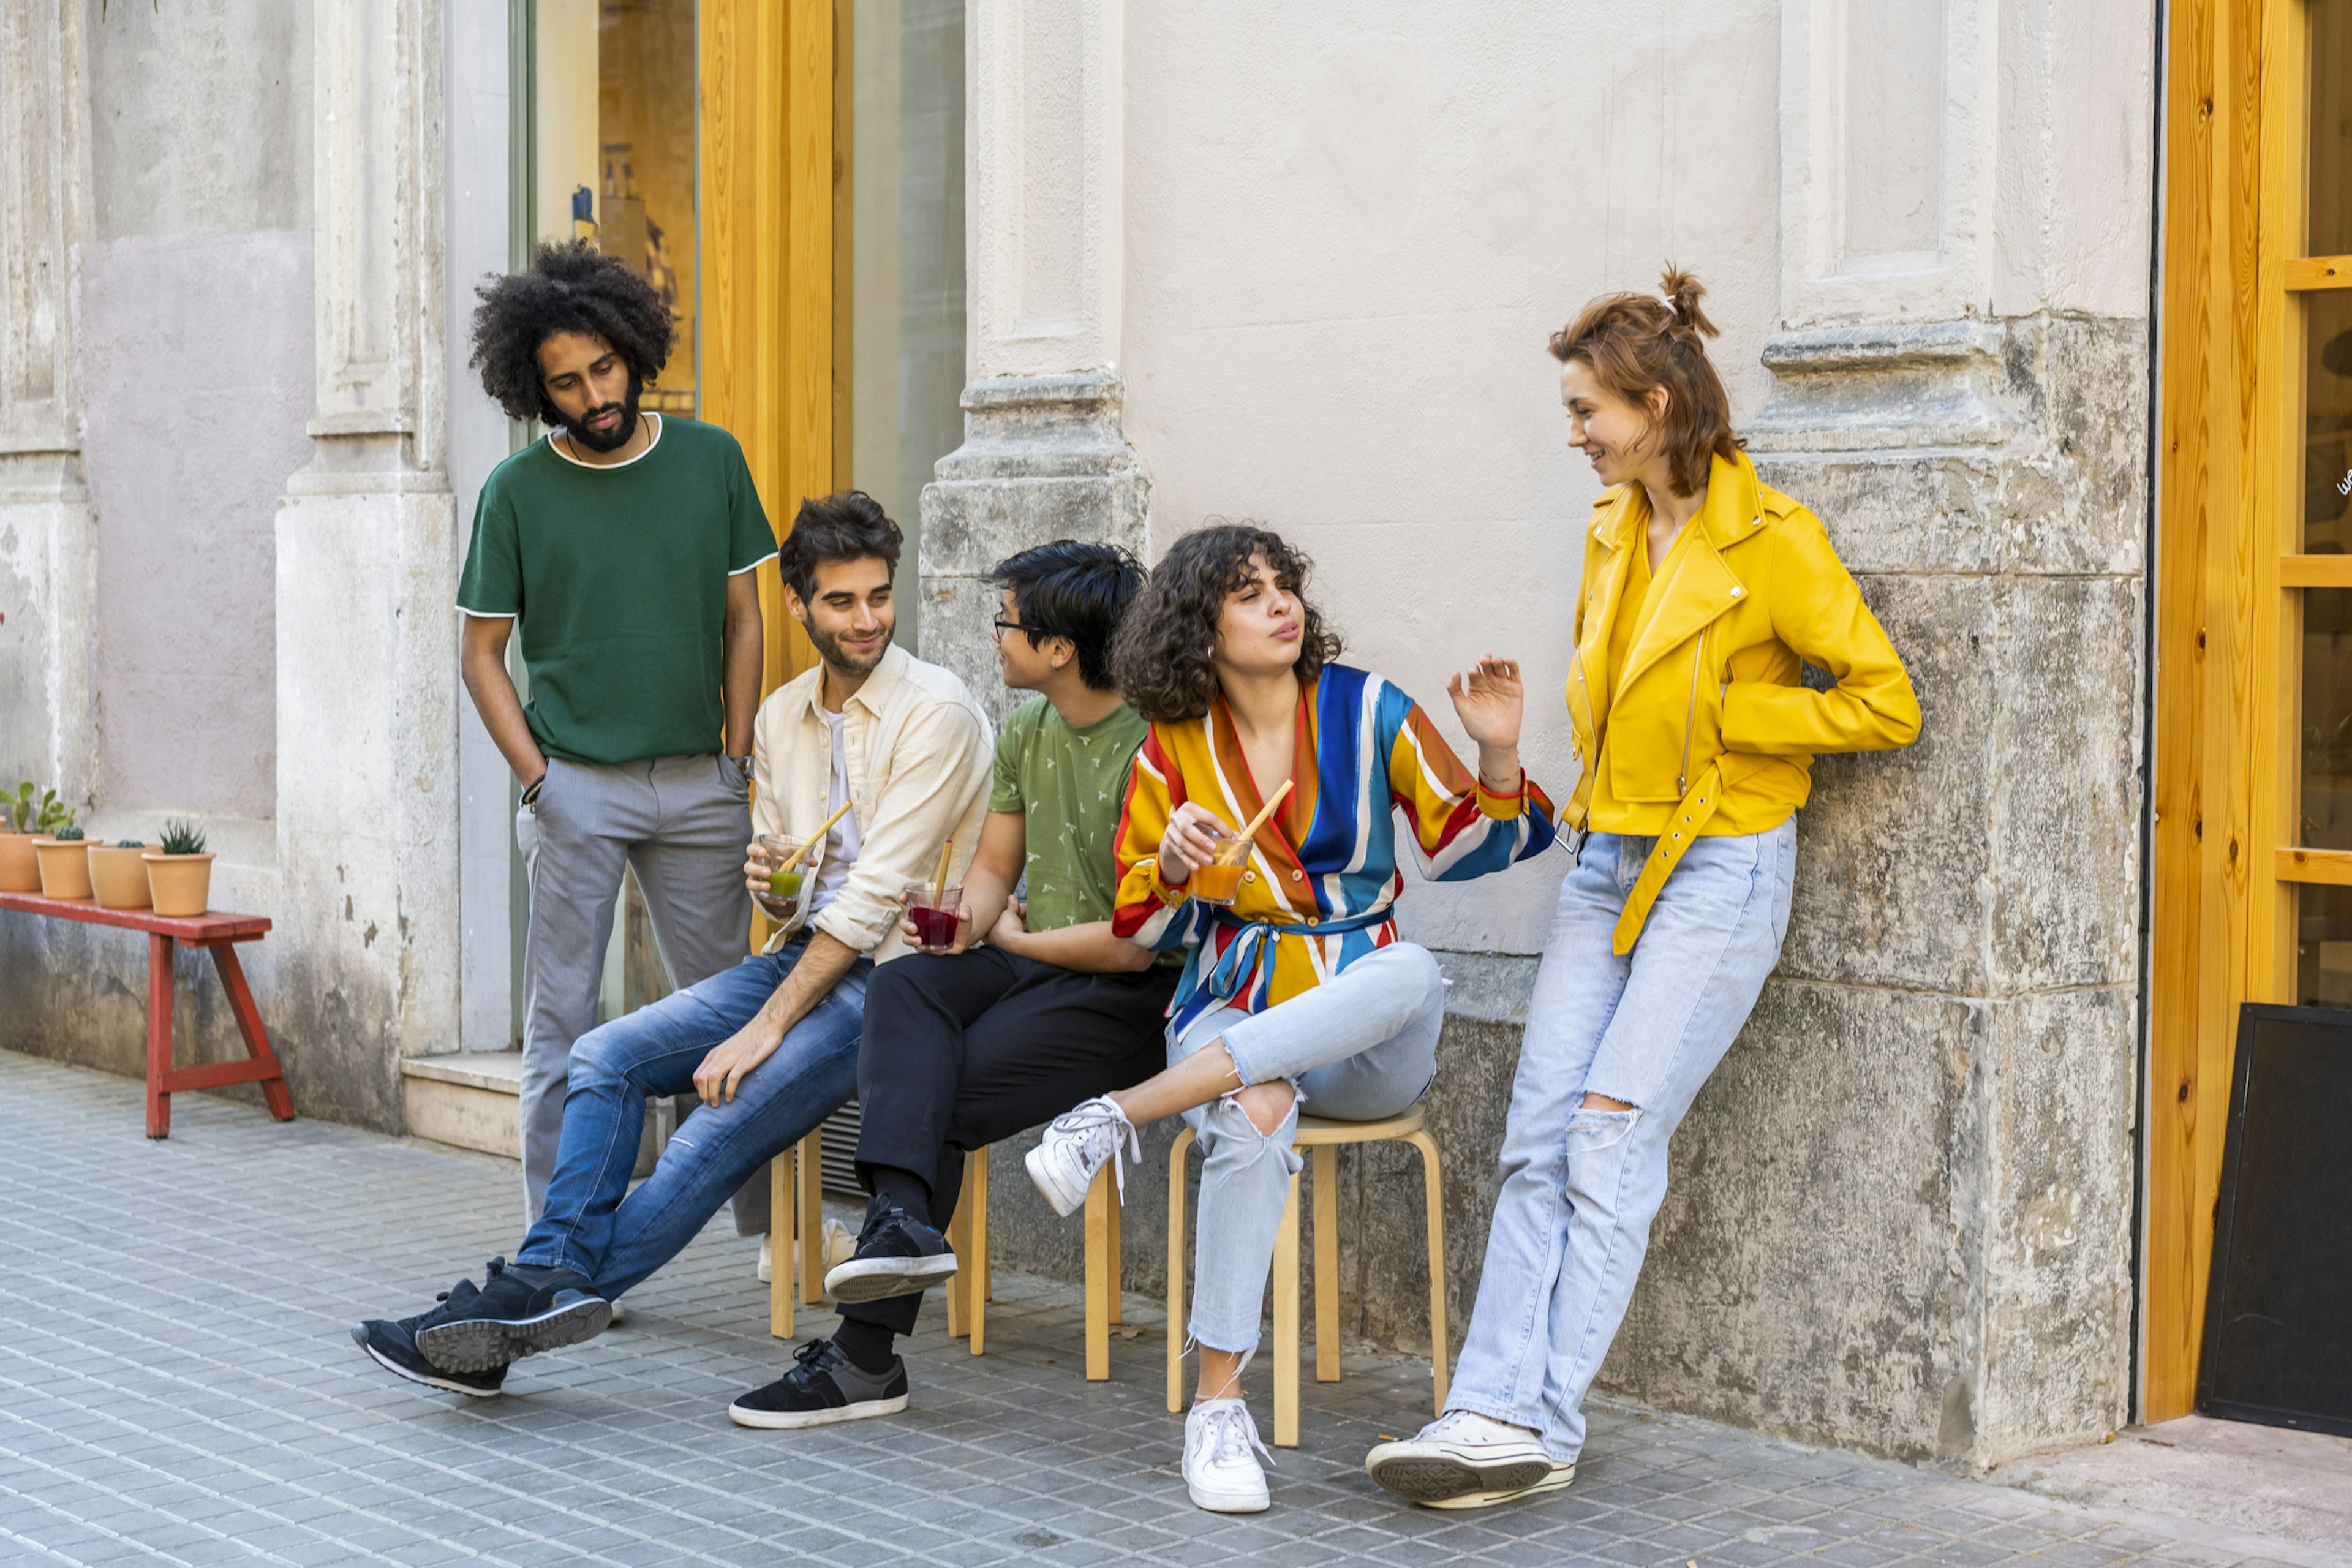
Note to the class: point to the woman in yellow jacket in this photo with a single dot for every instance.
(1703, 590)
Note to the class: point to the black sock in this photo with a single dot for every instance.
(905, 1188)
(867, 1345)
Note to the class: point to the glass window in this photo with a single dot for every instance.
(613, 153)
(2328, 421)
(899, 271)
(2323, 948)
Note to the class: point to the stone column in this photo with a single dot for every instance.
(1902, 1212)
(47, 534)
(1043, 456)
(367, 686)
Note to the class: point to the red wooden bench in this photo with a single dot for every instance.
(217, 932)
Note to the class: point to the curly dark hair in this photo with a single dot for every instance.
(570, 287)
(1162, 654)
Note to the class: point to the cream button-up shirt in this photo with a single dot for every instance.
(919, 759)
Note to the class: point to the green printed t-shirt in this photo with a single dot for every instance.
(1071, 786)
(618, 576)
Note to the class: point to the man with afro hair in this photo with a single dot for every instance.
(623, 544)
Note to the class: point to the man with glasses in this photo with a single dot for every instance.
(1038, 1006)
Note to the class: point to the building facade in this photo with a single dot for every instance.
(1030, 269)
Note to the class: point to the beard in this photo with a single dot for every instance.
(622, 432)
(830, 649)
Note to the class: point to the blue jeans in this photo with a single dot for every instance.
(1360, 1046)
(592, 1222)
(1580, 1187)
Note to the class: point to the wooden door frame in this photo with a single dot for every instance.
(2225, 858)
(767, 195)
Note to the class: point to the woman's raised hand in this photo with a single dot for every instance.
(1490, 700)
(1190, 841)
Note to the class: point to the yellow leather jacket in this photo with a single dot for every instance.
(1709, 702)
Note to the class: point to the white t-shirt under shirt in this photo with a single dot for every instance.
(841, 841)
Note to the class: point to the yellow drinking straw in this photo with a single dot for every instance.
(801, 852)
(1259, 820)
(940, 880)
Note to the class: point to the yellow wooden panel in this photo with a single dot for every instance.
(2333, 867)
(749, 204)
(2315, 572)
(2320, 272)
(2207, 624)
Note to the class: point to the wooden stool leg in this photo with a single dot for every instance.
(1176, 1268)
(1428, 1147)
(781, 1209)
(1118, 1260)
(1102, 1199)
(159, 1034)
(959, 1292)
(1326, 1263)
(812, 1216)
(976, 1292)
(1286, 1324)
(248, 1024)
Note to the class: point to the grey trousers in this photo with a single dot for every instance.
(681, 822)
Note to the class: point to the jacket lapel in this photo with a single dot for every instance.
(1703, 584)
(1612, 533)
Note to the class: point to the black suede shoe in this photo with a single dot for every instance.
(393, 1344)
(897, 1255)
(521, 1310)
(825, 1388)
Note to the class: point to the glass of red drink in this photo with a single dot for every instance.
(933, 916)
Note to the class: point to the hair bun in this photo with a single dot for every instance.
(1682, 292)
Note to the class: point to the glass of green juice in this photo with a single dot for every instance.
(786, 890)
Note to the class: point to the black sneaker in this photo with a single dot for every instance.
(393, 1347)
(825, 1387)
(897, 1255)
(520, 1312)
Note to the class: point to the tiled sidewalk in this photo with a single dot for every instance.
(176, 1385)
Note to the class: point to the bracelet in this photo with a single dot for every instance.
(530, 791)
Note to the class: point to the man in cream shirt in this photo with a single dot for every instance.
(770, 1045)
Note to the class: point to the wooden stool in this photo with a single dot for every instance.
(795, 1213)
(1324, 1138)
(973, 1284)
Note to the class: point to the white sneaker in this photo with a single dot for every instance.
(1464, 1459)
(1221, 1470)
(1076, 1147)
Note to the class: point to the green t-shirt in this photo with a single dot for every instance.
(1071, 786)
(618, 577)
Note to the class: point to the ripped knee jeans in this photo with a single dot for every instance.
(1359, 1047)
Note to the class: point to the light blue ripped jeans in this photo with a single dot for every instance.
(1580, 1187)
(1358, 1048)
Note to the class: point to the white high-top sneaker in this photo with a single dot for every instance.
(1464, 1459)
(1220, 1449)
(1076, 1147)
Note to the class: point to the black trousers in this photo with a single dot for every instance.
(964, 1050)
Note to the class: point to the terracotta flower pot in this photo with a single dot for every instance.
(20, 868)
(65, 867)
(118, 876)
(179, 884)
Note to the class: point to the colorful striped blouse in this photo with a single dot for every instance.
(1322, 877)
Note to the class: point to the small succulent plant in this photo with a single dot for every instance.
(129, 843)
(26, 814)
(69, 834)
(183, 838)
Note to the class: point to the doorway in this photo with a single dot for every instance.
(2252, 870)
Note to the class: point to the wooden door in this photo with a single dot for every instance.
(767, 221)
(2253, 788)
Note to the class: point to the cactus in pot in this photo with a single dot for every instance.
(25, 820)
(117, 874)
(64, 863)
(179, 876)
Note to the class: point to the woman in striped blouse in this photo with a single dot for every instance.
(1298, 992)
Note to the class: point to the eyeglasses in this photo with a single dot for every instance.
(1003, 626)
